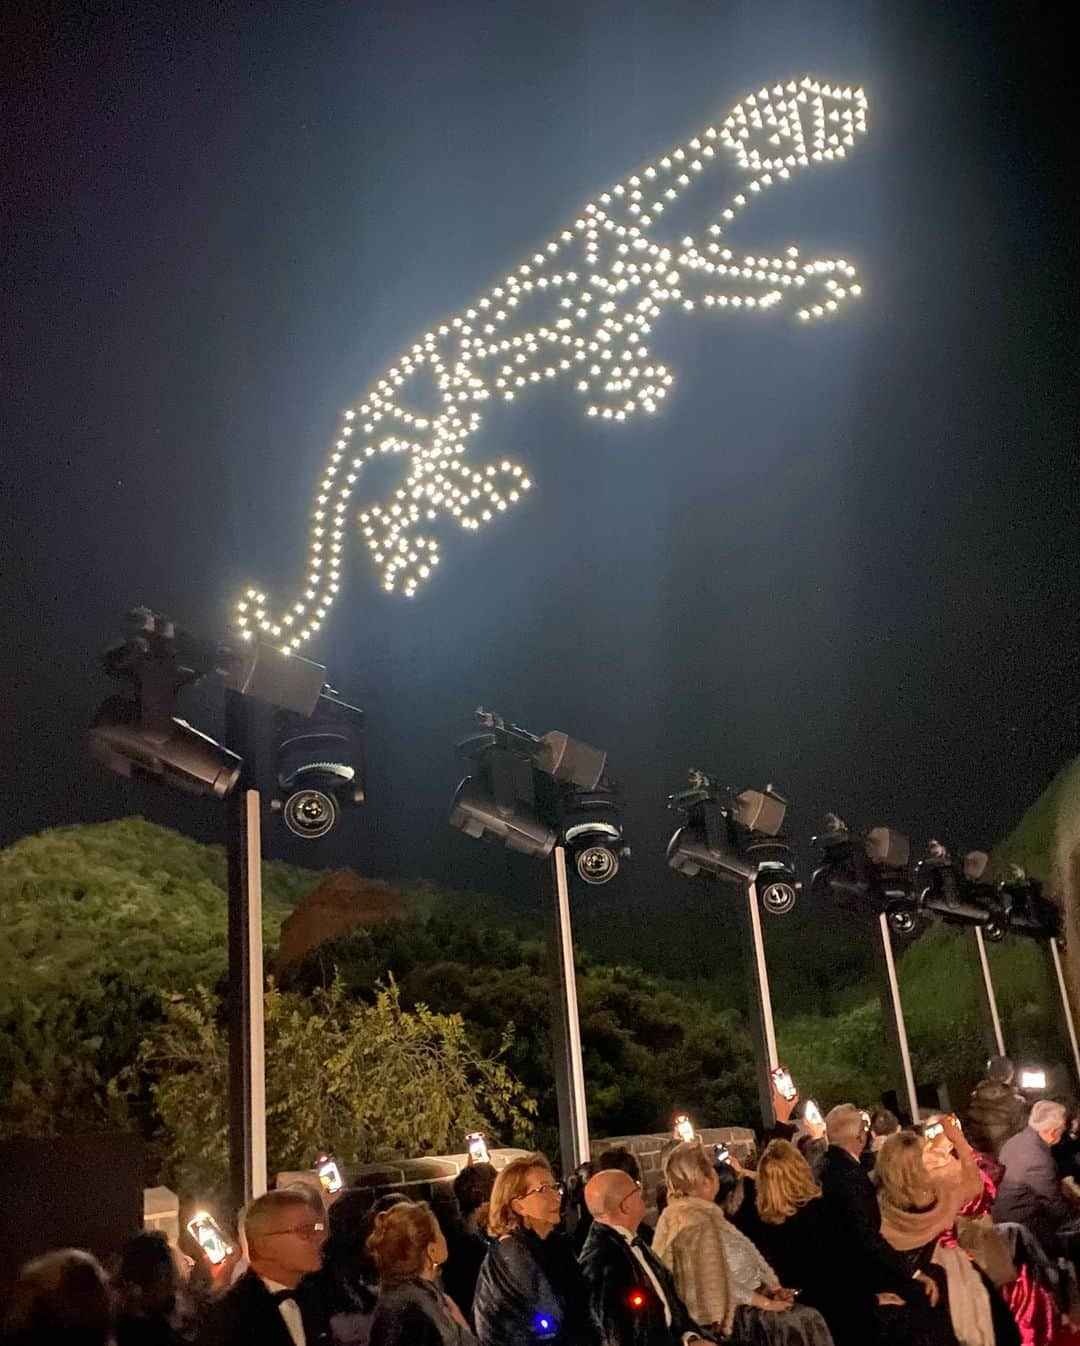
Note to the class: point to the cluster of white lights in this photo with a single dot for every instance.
(597, 287)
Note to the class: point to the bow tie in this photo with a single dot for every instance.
(283, 1296)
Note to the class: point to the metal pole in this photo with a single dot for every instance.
(894, 1016)
(1066, 1008)
(988, 986)
(762, 1028)
(247, 1090)
(569, 1066)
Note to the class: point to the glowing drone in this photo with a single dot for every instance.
(581, 310)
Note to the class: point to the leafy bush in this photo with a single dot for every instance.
(648, 1050)
(98, 922)
(366, 1080)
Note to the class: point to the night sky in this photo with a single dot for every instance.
(843, 558)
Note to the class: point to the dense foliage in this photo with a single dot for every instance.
(647, 1049)
(397, 1037)
(942, 995)
(366, 1080)
(98, 921)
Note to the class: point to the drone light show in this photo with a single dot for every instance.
(580, 310)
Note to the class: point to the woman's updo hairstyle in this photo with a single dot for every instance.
(399, 1240)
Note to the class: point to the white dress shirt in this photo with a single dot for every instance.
(290, 1312)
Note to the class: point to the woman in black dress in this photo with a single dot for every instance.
(530, 1289)
(806, 1246)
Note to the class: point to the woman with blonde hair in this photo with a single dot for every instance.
(530, 1288)
(724, 1281)
(408, 1248)
(808, 1247)
(919, 1203)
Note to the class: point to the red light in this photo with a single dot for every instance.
(637, 1300)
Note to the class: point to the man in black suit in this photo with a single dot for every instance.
(632, 1297)
(874, 1266)
(283, 1237)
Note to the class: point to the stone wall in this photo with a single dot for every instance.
(650, 1150)
(430, 1178)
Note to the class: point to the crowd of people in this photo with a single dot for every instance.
(849, 1231)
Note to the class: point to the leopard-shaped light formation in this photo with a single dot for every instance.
(596, 290)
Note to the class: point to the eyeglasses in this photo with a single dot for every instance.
(632, 1192)
(554, 1188)
(302, 1231)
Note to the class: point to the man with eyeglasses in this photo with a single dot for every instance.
(283, 1235)
(632, 1296)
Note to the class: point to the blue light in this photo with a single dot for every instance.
(544, 1324)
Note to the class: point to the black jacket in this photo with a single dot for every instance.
(247, 1315)
(995, 1112)
(812, 1253)
(531, 1291)
(623, 1302)
(850, 1201)
(415, 1313)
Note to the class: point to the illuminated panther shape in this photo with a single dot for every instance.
(580, 310)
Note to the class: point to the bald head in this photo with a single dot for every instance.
(613, 1197)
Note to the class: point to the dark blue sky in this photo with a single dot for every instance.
(841, 559)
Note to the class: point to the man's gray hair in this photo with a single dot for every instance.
(1046, 1115)
(844, 1123)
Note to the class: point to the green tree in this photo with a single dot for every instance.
(98, 921)
(367, 1080)
(648, 1050)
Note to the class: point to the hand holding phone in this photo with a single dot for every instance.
(476, 1144)
(329, 1174)
(784, 1084)
(210, 1237)
(683, 1128)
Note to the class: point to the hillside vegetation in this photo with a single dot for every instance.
(116, 946)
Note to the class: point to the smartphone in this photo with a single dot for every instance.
(1033, 1079)
(683, 1128)
(812, 1113)
(210, 1237)
(784, 1084)
(476, 1144)
(721, 1154)
(867, 1120)
(329, 1173)
(934, 1129)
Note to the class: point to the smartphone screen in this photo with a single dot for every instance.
(683, 1128)
(329, 1174)
(721, 1154)
(476, 1144)
(785, 1085)
(935, 1129)
(1033, 1079)
(210, 1237)
(812, 1113)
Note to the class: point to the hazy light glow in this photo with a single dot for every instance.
(579, 310)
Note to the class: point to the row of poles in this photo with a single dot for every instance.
(545, 797)
(902, 1071)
